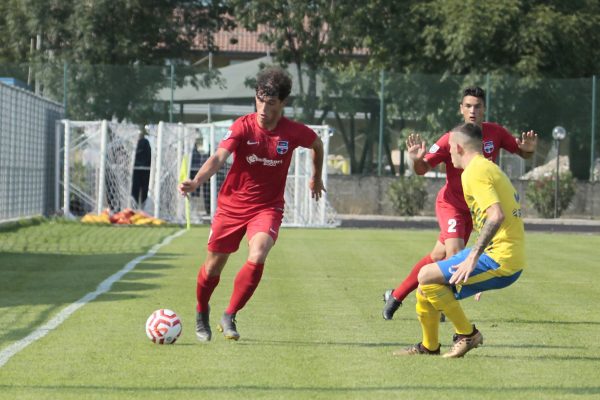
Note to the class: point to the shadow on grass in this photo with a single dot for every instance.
(312, 343)
(533, 389)
(42, 279)
(546, 357)
(37, 286)
(395, 344)
(537, 322)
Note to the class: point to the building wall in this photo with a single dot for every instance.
(367, 195)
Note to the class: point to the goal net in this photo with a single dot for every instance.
(99, 165)
(98, 161)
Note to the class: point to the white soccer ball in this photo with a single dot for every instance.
(163, 326)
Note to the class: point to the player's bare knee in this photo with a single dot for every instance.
(214, 263)
(436, 256)
(429, 274)
(452, 251)
(258, 253)
(453, 246)
(424, 274)
(257, 256)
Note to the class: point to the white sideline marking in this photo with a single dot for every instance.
(103, 287)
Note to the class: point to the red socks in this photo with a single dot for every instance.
(411, 282)
(244, 285)
(204, 288)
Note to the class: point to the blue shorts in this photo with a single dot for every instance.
(487, 275)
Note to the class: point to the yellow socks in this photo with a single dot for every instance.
(429, 318)
(442, 299)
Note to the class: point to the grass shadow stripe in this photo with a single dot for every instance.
(104, 286)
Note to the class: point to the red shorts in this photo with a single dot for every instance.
(454, 223)
(227, 230)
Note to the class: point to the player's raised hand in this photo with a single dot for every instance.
(316, 187)
(415, 146)
(528, 142)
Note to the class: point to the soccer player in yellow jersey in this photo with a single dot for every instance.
(495, 261)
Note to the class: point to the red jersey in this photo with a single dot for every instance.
(495, 137)
(261, 161)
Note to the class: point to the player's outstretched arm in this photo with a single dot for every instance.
(316, 182)
(415, 147)
(527, 144)
(208, 169)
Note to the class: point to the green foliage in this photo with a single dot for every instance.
(107, 46)
(541, 193)
(308, 34)
(408, 194)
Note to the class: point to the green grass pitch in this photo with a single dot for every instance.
(313, 329)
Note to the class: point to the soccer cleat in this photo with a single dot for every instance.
(203, 332)
(391, 305)
(417, 349)
(227, 326)
(464, 343)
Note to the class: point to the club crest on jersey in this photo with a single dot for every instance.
(488, 147)
(282, 147)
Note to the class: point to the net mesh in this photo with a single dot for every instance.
(87, 193)
(93, 188)
(84, 165)
(120, 156)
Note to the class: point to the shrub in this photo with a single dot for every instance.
(408, 195)
(540, 193)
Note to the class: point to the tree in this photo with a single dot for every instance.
(319, 38)
(94, 36)
(310, 34)
(527, 38)
(537, 54)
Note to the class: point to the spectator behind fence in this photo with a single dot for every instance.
(141, 170)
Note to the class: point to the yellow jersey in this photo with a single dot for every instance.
(485, 184)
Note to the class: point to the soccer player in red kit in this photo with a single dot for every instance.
(451, 209)
(251, 199)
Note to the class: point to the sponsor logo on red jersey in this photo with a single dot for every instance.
(253, 158)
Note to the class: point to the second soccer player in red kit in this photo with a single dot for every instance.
(451, 209)
(251, 200)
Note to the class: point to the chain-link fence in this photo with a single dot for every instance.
(27, 153)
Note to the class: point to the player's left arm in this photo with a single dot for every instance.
(316, 182)
(527, 144)
(494, 218)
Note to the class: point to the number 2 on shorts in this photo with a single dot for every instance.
(451, 225)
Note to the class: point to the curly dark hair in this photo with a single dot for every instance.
(474, 91)
(273, 82)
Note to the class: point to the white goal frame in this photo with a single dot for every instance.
(170, 144)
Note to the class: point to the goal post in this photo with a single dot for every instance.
(98, 159)
(99, 163)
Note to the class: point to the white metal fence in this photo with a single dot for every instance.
(27, 153)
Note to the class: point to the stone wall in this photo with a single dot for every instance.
(367, 195)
